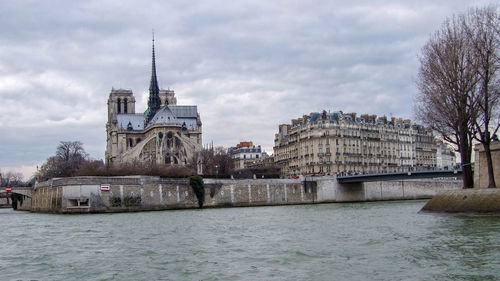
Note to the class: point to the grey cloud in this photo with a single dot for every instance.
(248, 65)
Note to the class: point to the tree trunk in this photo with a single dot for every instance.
(468, 179)
(489, 162)
(465, 157)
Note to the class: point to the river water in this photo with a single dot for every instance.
(348, 241)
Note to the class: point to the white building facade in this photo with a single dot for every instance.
(246, 154)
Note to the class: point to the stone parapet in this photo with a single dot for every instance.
(481, 167)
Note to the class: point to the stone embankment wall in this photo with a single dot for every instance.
(140, 193)
(466, 201)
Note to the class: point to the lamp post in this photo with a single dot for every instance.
(216, 171)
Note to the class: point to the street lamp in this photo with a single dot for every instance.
(216, 171)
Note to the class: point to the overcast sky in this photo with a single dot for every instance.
(248, 65)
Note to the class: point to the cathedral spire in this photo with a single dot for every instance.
(154, 101)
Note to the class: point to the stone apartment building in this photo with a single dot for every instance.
(334, 143)
(165, 133)
(246, 154)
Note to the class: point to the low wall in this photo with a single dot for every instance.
(138, 193)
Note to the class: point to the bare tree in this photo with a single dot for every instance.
(12, 179)
(481, 27)
(70, 155)
(71, 151)
(447, 80)
(215, 160)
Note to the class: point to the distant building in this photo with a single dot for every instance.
(166, 133)
(246, 154)
(445, 156)
(266, 162)
(333, 143)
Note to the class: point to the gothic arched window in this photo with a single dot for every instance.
(125, 106)
(119, 106)
(169, 140)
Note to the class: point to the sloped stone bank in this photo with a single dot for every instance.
(466, 201)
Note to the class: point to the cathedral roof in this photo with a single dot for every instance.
(184, 111)
(164, 115)
(175, 114)
(136, 121)
(171, 114)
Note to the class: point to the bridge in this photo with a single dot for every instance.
(16, 194)
(399, 176)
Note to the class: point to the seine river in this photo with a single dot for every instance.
(358, 241)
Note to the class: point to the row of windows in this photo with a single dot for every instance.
(250, 156)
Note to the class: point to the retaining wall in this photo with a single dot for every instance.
(141, 193)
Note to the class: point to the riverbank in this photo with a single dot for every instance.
(145, 193)
(465, 201)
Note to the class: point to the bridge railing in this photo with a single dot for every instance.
(399, 175)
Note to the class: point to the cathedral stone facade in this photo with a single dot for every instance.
(166, 133)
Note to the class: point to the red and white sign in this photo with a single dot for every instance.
(8, 188)
(104, 187)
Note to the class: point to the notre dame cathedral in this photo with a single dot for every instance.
(166, 133)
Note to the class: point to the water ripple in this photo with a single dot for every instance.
(352, 241)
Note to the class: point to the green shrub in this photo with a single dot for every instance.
(196, 183)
